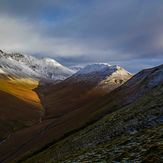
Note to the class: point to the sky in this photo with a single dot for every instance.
(78, 32)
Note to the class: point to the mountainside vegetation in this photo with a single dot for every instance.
(133, 133)
(20, 106)
(130, 129)
(100, 114)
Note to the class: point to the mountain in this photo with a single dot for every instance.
(21, 65)
(99, 71)
(75, 68)
(145, 81)
(106, 77)
(141, 83)
(101, 113)
(124, 131)
(20, 106)
(90, 83)
(131, 134)
(68, 106)
(19, 77)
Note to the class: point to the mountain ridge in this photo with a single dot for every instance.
(65, 109)
(100, 100)
(21, 65)
(130, 132)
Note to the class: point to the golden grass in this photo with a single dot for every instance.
(21, 88)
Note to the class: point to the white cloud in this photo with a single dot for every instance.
(22, 36)
(101, 31)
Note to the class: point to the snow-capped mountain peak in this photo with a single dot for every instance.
(96, 67)
(102, 76)
(101, 72)
(29, 66)
(51, 62)
(102, 68)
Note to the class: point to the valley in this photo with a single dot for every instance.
(99, 112)
(132, 133)
(81, 81)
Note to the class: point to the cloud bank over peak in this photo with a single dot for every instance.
(84, 31)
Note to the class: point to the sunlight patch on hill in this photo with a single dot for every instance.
(22, 88)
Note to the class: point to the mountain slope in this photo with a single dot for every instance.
(125, 133)
(16, 112)
(133, 134)
(20, 106)
(67, 107)
(137, 86)
(20, 65)
(82, 87)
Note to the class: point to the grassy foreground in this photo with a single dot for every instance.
(132, 134)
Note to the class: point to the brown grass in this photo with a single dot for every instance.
(22, 89)
(20, 106)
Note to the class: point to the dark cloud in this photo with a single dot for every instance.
(28, 8)
(87, 30)
(131, 27)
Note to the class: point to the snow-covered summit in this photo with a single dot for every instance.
(76, 68)
(51, 62)
(29, 66)
(102, 68)
(96, 67)
(99, 72)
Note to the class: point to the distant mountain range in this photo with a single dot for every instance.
(20, 65)
(99, 113)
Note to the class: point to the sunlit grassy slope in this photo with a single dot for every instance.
(20, 105)
(22, 89)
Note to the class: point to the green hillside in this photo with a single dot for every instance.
(133, 133)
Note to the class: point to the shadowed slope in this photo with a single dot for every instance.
(133, 134)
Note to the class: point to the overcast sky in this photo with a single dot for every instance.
(128, 32)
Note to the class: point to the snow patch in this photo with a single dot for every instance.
(97, 67)
(2, 72)
(29, 66)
